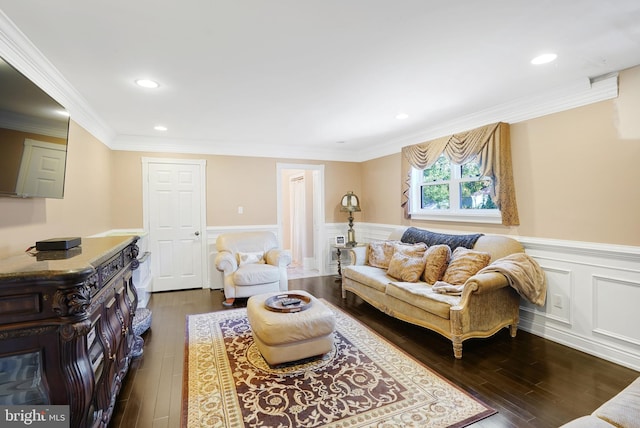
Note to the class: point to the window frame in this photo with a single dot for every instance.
(455, 213)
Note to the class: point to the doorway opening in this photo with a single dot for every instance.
(301, 217)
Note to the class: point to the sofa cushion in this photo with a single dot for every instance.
(464, 264)
(406, 268)
(370, 276)
(256, 273)
(412, 235)
(420, 295)
(623, 410)
(250, 257)
(416, 249)
(436, 261)
(587, 422)
(380, 253)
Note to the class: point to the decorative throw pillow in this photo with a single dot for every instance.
(246, 258)
(416, 249)
(407, 268)
(380, 253)
(436, 261)
(464, 264)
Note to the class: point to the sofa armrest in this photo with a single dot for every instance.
(278, 257)
(226, 262)
(485, 282)
(358, 255)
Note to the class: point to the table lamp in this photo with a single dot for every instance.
(350, 204)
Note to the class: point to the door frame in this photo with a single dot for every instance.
(203, 207)
(318, 207)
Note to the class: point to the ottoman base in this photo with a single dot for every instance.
(285, 337)
(286, 353)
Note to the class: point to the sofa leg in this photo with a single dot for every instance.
(457, 348)
(513, 329)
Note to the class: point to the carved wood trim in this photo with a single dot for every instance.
(71, 301)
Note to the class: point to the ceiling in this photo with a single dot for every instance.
(313, 79)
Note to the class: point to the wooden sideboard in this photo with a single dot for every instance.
(65, 327)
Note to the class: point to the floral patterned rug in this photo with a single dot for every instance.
(364, 381)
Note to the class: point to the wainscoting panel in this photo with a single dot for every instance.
(603, 297)
(615, 309)
(560, 284)
(593, 294)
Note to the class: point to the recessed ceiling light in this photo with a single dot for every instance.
(544, 59)
(160, 128)
(146, 83)
(402, 116)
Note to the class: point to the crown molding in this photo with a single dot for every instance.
(18, 50)
(580, 93)
(24, 56)
(577, 94)
(209, 147)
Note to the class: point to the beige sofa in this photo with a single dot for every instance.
(623, 410)
(486, 305)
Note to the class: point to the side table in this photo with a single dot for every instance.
(339, 249)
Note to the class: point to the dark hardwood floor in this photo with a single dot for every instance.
(530, 381)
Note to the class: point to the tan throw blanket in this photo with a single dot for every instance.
(523, 273)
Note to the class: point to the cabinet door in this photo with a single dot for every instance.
(122, 313)
(108, 331)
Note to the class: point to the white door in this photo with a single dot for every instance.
(175, 222)
(42, 169)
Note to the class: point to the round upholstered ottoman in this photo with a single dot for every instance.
(283, 337)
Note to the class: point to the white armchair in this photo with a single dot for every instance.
(252, 264)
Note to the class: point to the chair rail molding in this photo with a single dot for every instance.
(592, 294)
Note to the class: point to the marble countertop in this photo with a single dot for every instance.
(75, 261)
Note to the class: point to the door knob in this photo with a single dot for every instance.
(197, 233)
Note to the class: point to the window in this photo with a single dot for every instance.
(447, 191)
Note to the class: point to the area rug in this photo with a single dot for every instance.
(364, 381)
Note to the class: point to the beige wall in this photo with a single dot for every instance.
(576, 173)
(380, 199)
(232, 181)
(576, 176)
(85, 209)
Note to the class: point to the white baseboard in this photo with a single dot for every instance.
(593, 293)
(592, 296)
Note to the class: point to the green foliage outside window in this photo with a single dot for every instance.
(435, 197)
(435, 192)
(439, 171)
(470, 169)
(475, 195)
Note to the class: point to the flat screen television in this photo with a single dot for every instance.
(34, 132)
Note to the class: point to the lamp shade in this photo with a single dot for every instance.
(350, 203)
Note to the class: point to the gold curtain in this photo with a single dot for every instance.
(491, 144)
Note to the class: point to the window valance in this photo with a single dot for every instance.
(492, 147)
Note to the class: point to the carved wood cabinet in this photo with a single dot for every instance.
(66, 327)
